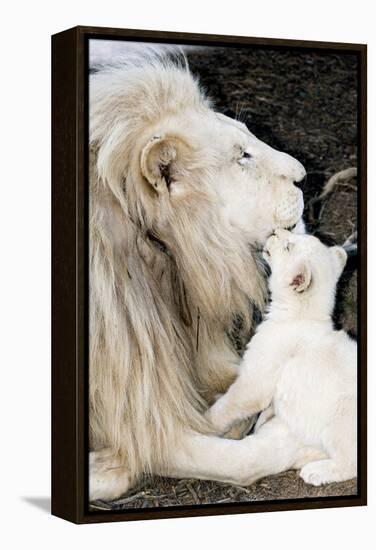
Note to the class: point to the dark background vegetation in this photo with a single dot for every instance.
(306, 105)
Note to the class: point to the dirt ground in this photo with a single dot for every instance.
(306, 105)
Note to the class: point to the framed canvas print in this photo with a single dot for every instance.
(209, 274)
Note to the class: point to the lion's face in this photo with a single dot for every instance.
(210, 154)
(258, 183)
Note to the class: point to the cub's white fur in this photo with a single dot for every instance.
(297, 366)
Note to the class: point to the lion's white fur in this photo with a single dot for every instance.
(307, 377)
(169, 264)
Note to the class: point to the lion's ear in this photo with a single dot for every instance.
(301, 278)
(162, 161)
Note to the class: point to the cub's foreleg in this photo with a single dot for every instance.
(252, 391)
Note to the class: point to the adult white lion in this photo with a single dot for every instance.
(178, 193)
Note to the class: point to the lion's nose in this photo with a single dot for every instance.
(289, 168)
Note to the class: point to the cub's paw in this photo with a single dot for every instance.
(217, 418)
(322, 472)
(240, 429)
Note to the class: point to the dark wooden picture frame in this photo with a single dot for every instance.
(70, 276)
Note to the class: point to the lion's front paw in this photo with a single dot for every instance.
(108, 477)
(108, 485)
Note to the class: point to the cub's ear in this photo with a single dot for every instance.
(162, 161)
(301, 279)
(340, 257)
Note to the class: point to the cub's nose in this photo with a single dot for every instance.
(270, 240)
(281, 233)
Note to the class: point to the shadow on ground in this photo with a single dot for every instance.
(43, 503)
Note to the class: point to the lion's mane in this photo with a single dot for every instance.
(160, 311)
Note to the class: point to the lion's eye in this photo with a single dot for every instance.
(245, 156)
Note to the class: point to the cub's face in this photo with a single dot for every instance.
(301, 263)
(252, 186)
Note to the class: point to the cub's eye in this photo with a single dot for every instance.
(246, 155)
(288, 247)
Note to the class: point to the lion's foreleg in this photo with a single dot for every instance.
(272, 450)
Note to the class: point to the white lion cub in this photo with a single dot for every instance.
(297, 366)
